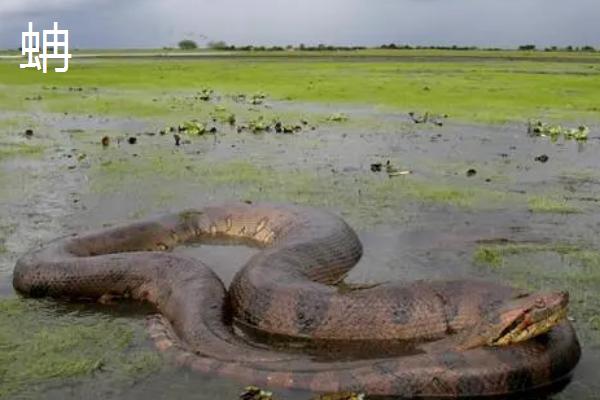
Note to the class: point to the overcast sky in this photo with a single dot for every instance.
(155, 23)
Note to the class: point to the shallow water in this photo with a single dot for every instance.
(412, 239)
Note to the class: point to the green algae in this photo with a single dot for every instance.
(544, 204)
(8, 150)
(39, 346)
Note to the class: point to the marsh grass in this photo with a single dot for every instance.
(39, 346)
(363, 198)
(8, 150)
(465, 89)
(544, 204)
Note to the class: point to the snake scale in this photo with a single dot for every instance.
(471, 338)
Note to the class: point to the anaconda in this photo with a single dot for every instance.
(479, 338)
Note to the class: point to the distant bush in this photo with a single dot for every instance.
(408, 47)
(219, 45)
(187, 44)
(527, 47)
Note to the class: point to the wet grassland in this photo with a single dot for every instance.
(456, 188)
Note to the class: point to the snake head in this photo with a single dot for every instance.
(527, 316)
(516, 320)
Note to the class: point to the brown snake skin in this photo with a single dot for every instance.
(285, 290)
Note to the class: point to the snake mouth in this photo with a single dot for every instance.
(529, 325)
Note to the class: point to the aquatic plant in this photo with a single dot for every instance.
(554, 132)
(337, 117)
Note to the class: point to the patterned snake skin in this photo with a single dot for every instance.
(287, 291)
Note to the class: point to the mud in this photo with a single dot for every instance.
(428, 224)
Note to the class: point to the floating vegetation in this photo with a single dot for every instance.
(239, 97)
(337, 117)
(258, 98)
(260, 124)
(554, 132)
(192, 127)
(205, 94)
(281, 127)
(223, 115)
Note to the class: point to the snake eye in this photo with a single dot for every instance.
(540, 303)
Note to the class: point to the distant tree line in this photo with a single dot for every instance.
(221, 45)
(532, 47)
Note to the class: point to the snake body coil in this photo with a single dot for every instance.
(286, 290)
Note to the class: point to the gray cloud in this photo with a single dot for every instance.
(154, 23)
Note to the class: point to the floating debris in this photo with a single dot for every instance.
(393, 171)
(427, 117)
(471, 172)
(399, 173)
(390, 169)
(105, 141)
(376, 167)
(132, 140)
(28, 133)
(291, 128)
(542, 158)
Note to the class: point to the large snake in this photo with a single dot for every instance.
(466, 338)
